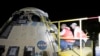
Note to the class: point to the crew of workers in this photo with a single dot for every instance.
(69, 39)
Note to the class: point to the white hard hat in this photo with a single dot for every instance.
(73, 24)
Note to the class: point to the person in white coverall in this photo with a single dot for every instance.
(77, 34)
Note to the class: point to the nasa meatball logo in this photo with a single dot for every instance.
(42, 45)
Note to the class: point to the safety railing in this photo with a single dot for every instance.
(80, 24)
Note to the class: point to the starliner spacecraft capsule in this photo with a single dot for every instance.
(28, 33)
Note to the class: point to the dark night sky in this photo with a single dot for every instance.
(57, 11)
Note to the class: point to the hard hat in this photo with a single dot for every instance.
(64, 25)
(73, 24)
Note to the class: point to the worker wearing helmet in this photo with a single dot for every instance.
(77, 33)
(67, 40)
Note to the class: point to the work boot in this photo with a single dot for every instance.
(70, 48)
(65, 50)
